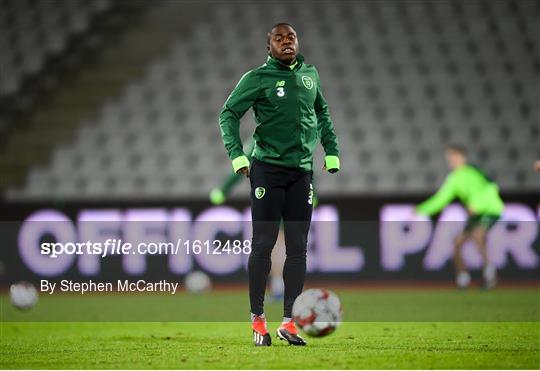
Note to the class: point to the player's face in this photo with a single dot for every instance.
(283, 44)
(454, 159)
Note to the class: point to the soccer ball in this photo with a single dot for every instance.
(23, 295)
(198, 282)
(317, 312)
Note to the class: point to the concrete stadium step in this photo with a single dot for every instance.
(123, 58)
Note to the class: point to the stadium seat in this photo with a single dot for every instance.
(405, 80)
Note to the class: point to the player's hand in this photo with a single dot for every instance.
(333, 162)
(244, 170)
(537, 166)
(332, 171)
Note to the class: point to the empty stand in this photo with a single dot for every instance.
(402, 78)
(32, 31)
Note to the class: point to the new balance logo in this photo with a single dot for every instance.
(280, 88)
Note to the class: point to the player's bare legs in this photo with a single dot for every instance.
(463, 278)
(479, 236)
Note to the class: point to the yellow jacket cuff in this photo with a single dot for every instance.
(240, 162)
(331, 163)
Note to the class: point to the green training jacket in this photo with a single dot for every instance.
(290, 112)
(472, 187)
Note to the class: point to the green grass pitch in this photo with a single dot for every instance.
(393, 329)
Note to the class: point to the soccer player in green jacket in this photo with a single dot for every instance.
(480, 195)
(291, 116)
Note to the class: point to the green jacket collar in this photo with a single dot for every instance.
(271, 61)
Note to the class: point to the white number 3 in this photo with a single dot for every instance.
(280, 91)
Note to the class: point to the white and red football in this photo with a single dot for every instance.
(317, 312)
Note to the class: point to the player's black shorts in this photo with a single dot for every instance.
(481, 220)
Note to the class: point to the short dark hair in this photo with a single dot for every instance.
(281, 24)
(268, 35)
(457, 148)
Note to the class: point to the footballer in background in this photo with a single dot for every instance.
(480, 195)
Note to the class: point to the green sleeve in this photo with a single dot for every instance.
(439, 200)
(325, 126)
(250, 149)
(241, 99)
(229, 183)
